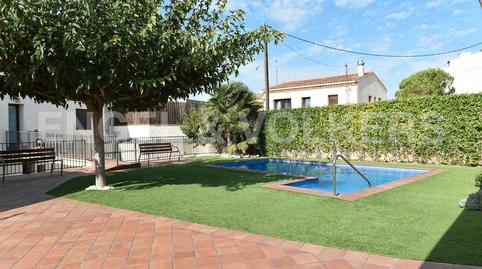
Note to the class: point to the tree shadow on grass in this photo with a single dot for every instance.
(178, 174)
(462, 242)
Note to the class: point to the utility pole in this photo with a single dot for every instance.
(276, 66)
(347, 86)
(266, 75)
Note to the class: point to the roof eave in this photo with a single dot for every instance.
(315, 86)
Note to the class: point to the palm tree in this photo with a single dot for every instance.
(232, 109)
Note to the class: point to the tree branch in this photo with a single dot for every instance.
(127, 98)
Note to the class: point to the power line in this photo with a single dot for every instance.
(383, 55)
(309, 59)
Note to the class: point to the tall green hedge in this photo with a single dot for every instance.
(442, 130)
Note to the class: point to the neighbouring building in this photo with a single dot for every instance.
(362, 87)
(467, 72)
(23, 120)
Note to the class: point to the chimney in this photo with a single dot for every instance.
(361, 68)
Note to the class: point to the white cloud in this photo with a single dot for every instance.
(353, 3)
(457, 12)
(465, 32)
(246, 5)
(384, 45)
(433, 4)
(399, 15)
(293, 13)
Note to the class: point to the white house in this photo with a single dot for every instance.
(467, 72)
(362, 87)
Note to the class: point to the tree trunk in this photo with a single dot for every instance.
(99, 156)
(228, 141)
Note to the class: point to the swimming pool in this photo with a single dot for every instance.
(320, 174)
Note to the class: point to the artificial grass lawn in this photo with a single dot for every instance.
(419, 221)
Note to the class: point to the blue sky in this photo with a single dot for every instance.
(376, 26)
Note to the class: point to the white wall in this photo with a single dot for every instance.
(467, 72)
(43, 117)
(319, 96)
(370, 85)
(144, 130)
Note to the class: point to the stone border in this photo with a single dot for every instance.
(283, 185)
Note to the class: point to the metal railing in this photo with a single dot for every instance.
(72, 152)
(352, 166)
(127, 150)
(80, 148)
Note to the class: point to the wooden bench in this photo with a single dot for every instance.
(158, 148)
(29, 156)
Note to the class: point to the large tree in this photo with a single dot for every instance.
(432, 81)
(126, 55)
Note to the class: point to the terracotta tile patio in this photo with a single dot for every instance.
(40, 231)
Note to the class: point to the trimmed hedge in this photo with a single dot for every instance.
(439, 130)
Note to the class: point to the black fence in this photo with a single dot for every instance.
(30, 137)
(72, 152)
(76, 150)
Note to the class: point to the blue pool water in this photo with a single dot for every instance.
(348, 181)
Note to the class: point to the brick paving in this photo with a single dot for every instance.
(40, 231)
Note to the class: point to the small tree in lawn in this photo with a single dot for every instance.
(432, 81)
(124, 55)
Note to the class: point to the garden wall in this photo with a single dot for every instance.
(438, 130)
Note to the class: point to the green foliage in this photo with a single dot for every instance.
(129, 55)
(231, 112)
(432, 81)
(478, 181)
(440, 129)
(126, 55)
(226, 120)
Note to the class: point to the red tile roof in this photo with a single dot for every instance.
(318, 81)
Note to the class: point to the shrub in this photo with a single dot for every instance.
(439, 129)
(478, 181)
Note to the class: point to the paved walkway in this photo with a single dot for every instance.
(40, 231)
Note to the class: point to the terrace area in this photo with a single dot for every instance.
(191, 215)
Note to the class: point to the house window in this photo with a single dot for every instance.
(306, 102)
(84, 119)
(282, 104)
(379, 99)
(333, 100)
(369, 99)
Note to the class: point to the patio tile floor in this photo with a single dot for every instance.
(40, 231)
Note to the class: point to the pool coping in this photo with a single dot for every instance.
(283, 185)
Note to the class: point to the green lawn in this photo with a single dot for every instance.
(420, 220)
